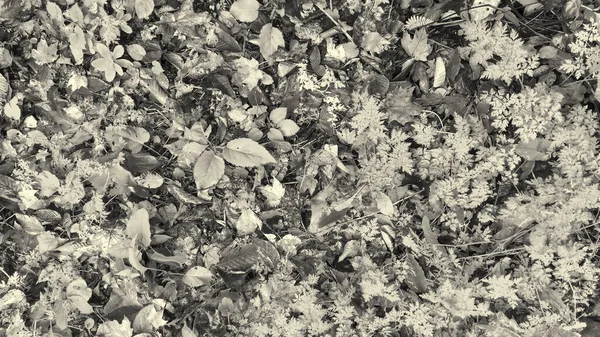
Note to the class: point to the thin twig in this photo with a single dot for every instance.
(342, 29)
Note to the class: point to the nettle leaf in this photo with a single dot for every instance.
(245, 10)
(418, 46)
(144, 8)
(269, 39)
(247, 153)
(208, 170)
(197, 276)
(138, 227)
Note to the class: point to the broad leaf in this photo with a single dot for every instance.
(138, 227)
(12, 109)
(49, 183)
(274, 193)
(197, 276)
(418, 46)
(269, 40)
(288, 127)
(440, 72)
(481, 9)
(208, 170)
(415, 278)
(245, 10)
(115, 329)
(148, 320)
(78, 293)
(247, 153)
(247, 223)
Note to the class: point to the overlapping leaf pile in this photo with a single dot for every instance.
(299, 168)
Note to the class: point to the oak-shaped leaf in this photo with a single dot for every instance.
(197, 276)
(247, 153)
(417, 47)
(269, 39)
(245, 10)
(138, 227)
(208, 170)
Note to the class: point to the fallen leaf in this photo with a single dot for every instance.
(144, 8)
(138, 227)
(247, 153)
(245, 10)
(197, 276)
(208, 170)
(270, 38)
(418, 46)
